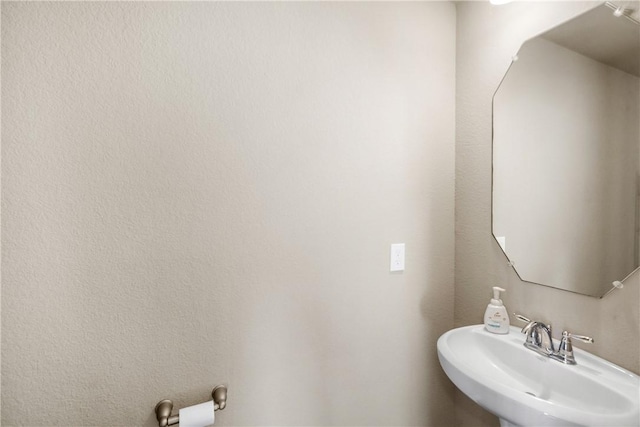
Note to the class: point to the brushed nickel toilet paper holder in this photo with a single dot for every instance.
(164, 407)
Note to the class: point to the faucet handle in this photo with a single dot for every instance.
(565, 349)
(530, 324)
(578, 337)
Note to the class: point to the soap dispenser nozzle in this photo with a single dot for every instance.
(496, 295)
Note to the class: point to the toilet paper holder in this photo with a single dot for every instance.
(164, 407)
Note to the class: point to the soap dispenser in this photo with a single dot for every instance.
(496, 319)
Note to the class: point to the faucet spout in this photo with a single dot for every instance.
(539, 338)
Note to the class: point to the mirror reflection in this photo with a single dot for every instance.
(566, 155)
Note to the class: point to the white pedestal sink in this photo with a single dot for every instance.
(523, 388)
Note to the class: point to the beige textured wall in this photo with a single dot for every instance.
(204, 193)
(487, 37)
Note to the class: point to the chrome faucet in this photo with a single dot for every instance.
(539, 339)
(538, 336)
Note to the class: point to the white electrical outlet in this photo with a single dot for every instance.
(397, 257)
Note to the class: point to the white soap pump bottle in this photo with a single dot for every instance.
(496, 318)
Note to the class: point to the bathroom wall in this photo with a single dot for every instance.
(199, 193)
(487, 38)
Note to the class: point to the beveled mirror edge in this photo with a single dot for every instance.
(615, 7)
(512, 265)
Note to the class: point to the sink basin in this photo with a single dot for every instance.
(524, 388)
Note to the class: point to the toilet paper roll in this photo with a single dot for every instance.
(197, 415)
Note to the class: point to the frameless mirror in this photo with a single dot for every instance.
(566, 154)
